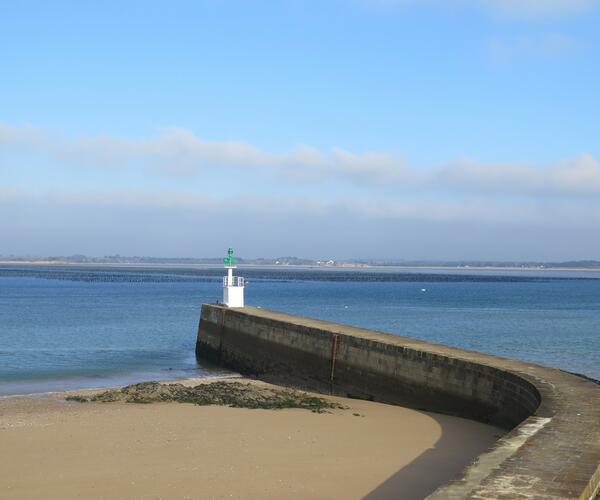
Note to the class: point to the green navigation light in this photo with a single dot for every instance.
(229, 261)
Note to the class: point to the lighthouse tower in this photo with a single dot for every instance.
(233, 286)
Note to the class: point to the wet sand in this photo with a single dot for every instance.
(53, 449)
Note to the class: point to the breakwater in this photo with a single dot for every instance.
(552, 449)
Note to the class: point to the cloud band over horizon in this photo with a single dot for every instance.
(107, 194)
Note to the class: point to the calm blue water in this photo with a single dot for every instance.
(67, 327)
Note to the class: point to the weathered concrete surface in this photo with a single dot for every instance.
(552, 450)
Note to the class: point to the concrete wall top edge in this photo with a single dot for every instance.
(523, 368)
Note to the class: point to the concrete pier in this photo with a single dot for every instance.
(552, 449)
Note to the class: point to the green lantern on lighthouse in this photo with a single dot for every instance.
(229, 261)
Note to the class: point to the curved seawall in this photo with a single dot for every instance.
(551, 451)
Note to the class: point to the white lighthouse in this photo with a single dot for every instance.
(233, 286)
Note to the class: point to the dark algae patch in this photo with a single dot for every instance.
(234, 394)
(80, 399)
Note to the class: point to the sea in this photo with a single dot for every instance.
(72, 327)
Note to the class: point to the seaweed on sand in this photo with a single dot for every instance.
(235, 394)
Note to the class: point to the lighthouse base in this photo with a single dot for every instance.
(233, 296)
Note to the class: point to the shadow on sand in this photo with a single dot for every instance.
(460, 443)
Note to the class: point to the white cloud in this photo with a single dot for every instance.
(578, 176)
(26, 135)
(478, 209)
(511, 8)
(547, 46)
(177, 152)
(536, 7)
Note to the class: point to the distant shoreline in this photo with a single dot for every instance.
(341, 267)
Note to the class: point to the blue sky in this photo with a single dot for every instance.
(350, 128)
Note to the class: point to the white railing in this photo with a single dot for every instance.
(235, 281)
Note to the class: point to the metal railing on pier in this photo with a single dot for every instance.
(235, 281)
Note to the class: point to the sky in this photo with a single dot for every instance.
(368, 129)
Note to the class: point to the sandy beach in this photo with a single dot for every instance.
(57, 449)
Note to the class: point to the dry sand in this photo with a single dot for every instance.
(52, 449)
